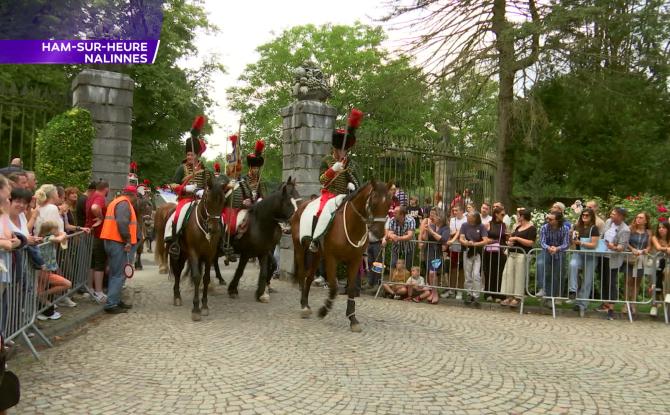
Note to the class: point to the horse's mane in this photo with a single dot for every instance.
(356, 192)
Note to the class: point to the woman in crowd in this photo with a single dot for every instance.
(8, 242)
(470, 209)
(658, 288)
(436, 233)
(585, 238)
(554, 240)
(493, 260)
(521, 241)
(455, 252)
(473, 236)
(640, 245)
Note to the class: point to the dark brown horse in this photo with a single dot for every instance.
(144, 210)
(198, 242)
(346, 240)
(160, 220)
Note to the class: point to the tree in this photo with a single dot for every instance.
(456, 35)
(64, 148)
(390, 91)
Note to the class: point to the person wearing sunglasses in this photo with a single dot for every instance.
(585, 239)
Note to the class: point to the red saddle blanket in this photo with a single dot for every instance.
(180, 205)
(229, 219)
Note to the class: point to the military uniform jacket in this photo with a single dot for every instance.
(199, 179)
(338, 185)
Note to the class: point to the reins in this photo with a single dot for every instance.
(369, 221)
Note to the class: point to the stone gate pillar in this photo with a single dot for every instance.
(307, 128)
(109, 98)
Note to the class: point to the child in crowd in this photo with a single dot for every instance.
(415, 286)
(50, 283)
(398, 277)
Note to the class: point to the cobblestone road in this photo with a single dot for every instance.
(250, 358)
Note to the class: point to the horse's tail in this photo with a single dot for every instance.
(160, 220)
(299, 251)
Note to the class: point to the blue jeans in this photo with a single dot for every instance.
(587, 262)
(552, 273)
(117, 259)
(373, 252)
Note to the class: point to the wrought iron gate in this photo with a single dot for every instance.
(426, 169)
(23, 111)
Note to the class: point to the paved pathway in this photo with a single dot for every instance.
(250, 358)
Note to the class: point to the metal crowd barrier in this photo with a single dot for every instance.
(606, 277)
(502, 269)
(23, 297)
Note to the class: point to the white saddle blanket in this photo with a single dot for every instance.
(180, 220)
(324, 220)
(241, 217)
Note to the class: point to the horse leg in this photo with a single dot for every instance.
(307, 282)
(205, 285)
(352, 274)
(331, 277)
(196, 276)
(232, 287)
(262, 294)
(138, 261)
(176, 264)
(217, 270)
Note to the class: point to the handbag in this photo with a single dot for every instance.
(494, 247)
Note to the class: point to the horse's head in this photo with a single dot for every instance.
(217, 190)
(377, 206)
(288, 202)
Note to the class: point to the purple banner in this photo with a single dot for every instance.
(107, 51)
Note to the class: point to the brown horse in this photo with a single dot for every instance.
(346, 240)
(198, 242)
(145, 208)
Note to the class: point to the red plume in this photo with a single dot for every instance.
(355, 118)
(133, 166)
(147, 182)
(217, 167)
(233, 138)
(258, 148)
(199, 122)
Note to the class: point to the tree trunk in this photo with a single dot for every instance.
(506, 70)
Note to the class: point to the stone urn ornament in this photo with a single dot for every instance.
(310, 83)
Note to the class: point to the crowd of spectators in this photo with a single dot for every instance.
(474, 250)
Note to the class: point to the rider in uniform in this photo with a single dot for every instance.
(191, 176)
(338, 173)
(250, 183)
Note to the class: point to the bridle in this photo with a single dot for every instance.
(368, 220)
(214, 219)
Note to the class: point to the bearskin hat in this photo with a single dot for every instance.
(255, 159)
(194, 142)
(354, 121)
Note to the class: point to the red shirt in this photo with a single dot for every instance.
(95, 199)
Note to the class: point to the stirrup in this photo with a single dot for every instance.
(313, 246)
(174, 249)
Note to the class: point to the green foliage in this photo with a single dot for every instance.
(654, 205)
(64, 149)
(362, 74)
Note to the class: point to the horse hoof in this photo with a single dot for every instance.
(204, 311)
(196, 316)
(177, 301)
(233, 295)
(323, 312)
(306, 312)
(265, 298)
(140, 268)
(356, 328)
(222, 282)
(162, 270)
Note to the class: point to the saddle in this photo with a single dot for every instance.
(234, 220)
(311, 231)
(177, 219)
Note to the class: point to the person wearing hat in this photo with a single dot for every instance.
(10, 389)
(191, 176)
(120, 233)
(337, 173)
(250, 182)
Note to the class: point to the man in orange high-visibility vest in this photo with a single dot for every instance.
(120, 233)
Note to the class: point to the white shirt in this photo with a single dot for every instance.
(455, 224)
(486, 219)
(23, 225)
(508, 222)
(610, 233)
(48, 213)
(418, 280)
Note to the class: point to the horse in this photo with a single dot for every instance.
(345, 241)
(160, 220)
(198, 241)
(144, 209)
(262, 235)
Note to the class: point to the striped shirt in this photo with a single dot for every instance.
(401, 229)
(554, 237)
